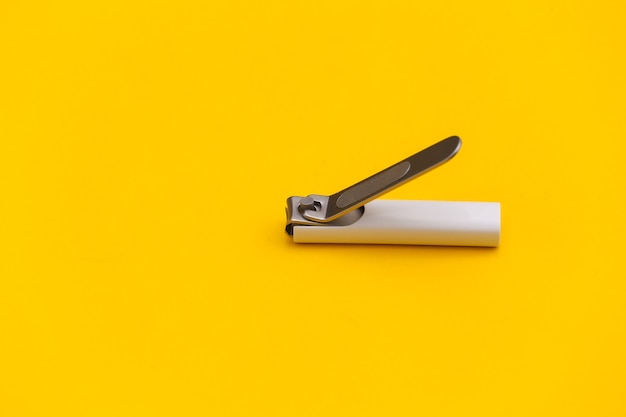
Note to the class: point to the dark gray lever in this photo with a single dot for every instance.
(324, 209)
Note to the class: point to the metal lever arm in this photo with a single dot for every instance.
(324, 209)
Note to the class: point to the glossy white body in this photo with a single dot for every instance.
(407, 222)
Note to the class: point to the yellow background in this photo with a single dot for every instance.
(147, 149)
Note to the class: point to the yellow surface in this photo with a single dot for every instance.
(147, 149)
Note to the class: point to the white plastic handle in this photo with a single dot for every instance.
(409, 222)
